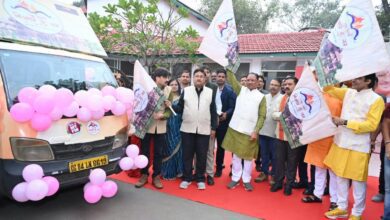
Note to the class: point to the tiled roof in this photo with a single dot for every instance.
(294, 42)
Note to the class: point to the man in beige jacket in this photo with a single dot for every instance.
(156, 132)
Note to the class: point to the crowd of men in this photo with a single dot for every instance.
(241, 117)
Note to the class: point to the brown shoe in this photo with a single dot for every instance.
(157, 182)
(142, 181)
(261, 178)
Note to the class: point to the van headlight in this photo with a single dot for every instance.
(30, 149)
(120, 139)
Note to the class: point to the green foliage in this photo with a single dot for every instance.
(383, 15)
(310, 13)
(145, 32)
(251, 16)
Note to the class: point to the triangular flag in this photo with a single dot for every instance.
(306, 117)
(355, 46)
(221, 41)
(147, 97)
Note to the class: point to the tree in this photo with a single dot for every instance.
(145, 32)
(251, 16)
(383, 15)
(310, 13)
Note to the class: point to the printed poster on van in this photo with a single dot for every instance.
(306, 117)
(354, 48)
(48, 23)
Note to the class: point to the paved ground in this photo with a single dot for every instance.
(129, 203)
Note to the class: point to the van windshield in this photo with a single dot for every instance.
(24, 69)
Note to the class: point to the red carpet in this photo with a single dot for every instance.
(260, 203)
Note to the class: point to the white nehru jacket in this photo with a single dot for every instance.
(246, 111)
(196, 112)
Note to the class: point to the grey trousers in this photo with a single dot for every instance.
(210, 158)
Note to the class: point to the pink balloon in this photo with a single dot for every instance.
(53, 185)
(109, 189)
(108, 102)
(86, 186)
(118, 109)
(95, 102)
(124, 95)
(19, 192)
(126, 163)
(97, 176)
(56, 114)
(22, 112)
(36, 190)
(109, 90)
(132, 151)
(27, 95)
(32, 172)
(44, 104)
(81, 97)
(94, 91)
(84, 114)
(72, 110)
(63, 97)
(40, 122)
(96, 115)
(47, 90)
(141, 161)
(93, 194)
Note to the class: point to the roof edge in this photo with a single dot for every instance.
(195, 13)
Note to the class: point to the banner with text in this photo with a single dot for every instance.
(48, 23)
(354, 48)
(306, 117)
(221, 40)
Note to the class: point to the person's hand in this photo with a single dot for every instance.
(253, 136)
(158, 116)
(212, 134)
(338, 121)
(167, 103)
(223, 116)
(372, 146)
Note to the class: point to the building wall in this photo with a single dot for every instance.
(199, 25)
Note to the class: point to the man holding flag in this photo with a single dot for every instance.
(350, 153)
(241, 137)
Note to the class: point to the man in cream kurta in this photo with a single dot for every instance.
(350, 153)
(241, 137)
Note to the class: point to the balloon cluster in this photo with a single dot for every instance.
(133, 160)
(36, 186)
(42, 107)
(98, 187)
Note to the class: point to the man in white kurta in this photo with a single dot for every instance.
(350, 153)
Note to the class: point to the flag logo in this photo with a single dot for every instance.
(33, 15)
(225, 28)
(304, 103)
(352, 29)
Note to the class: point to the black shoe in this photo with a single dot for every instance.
(333, 205)
(308, 192)
(276, 187)
(218, 173)
(258, 167)
(299, 185)
(210, 180)
(287, 190)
